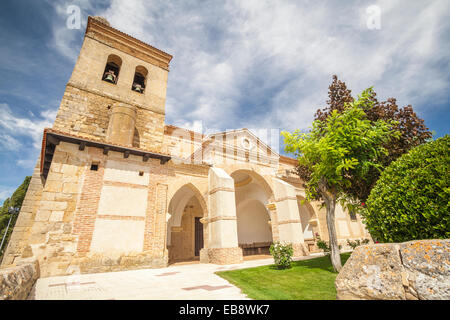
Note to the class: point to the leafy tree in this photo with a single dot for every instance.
(410, 201)
(16, 201)
(413, 132)
(344, 142)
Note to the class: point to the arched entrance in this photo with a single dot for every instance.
(185, 232)
(253, 219)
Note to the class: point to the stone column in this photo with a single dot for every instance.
(289, 223)
(222, 223)
(121, 125)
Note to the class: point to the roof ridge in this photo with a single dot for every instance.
(92, 19)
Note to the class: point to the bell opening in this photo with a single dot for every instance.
(111, 72)
(138, 83)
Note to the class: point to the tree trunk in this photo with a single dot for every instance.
(335, 256)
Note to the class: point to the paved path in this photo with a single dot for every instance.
(176, 282)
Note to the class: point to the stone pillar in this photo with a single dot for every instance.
(121, 125)
(289, 223)
(222, 223)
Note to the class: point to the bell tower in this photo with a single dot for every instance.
(117, 90)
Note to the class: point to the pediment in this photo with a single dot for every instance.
(241, 145)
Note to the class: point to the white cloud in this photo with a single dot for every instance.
(9, 143)
(268, 64)
(65, 40)
(5, 192)
(196, 125)
(27, 163)
(16, 127)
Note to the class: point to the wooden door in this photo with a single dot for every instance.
(198, 236)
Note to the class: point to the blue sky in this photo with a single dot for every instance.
(254, 63)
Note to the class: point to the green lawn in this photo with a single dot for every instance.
(307, 280)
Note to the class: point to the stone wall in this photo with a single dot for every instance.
(18, 243)
(221, 255)
(87, 114)
(17, 282)
(415, 270)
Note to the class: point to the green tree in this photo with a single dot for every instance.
(16, 201)
(345, 145)
(411, 200)
(413, 132)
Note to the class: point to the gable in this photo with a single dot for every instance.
(239, 145)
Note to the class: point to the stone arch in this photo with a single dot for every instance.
(308, 217)
(182, 196)
(140, 79)
(259, 179)
(186, 207)
(254, 227)
(112, 69)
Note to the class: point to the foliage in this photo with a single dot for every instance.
(321, 244)
(311, 279)
(16, 201)
(357, 242)
(412, 129)
(411, 199)
(345, 146)
(282, 254)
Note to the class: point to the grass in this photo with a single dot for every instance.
(307, 280)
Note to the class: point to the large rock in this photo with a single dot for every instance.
(16, 282)
(410, 270)
(427, 267)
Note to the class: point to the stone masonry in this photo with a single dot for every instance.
(115, 188)
(414, 270)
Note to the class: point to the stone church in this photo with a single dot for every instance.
(115, 188)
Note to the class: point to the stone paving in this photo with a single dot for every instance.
(194, 281)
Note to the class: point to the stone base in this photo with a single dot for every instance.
(97, 263)
(17, 282)
(300, 250)
(414, 270)
(221, 255)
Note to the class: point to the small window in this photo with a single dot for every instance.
(140, 77)
(94, 167)
(112, 69)
(141, 173)
(353, 215)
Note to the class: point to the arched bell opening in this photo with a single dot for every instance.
(112, 69)
(140, 79)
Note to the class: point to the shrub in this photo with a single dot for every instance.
(357, 242)
(410, 201)
(324, 246)
(282, 254)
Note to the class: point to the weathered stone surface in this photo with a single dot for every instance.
(96, 206)
(17, 282)
(411, 270)
(427, 269)
(118, 262)
(372, 272)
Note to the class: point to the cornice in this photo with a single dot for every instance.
(126, 43)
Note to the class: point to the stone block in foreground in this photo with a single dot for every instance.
(414, 270)
(16, 282)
